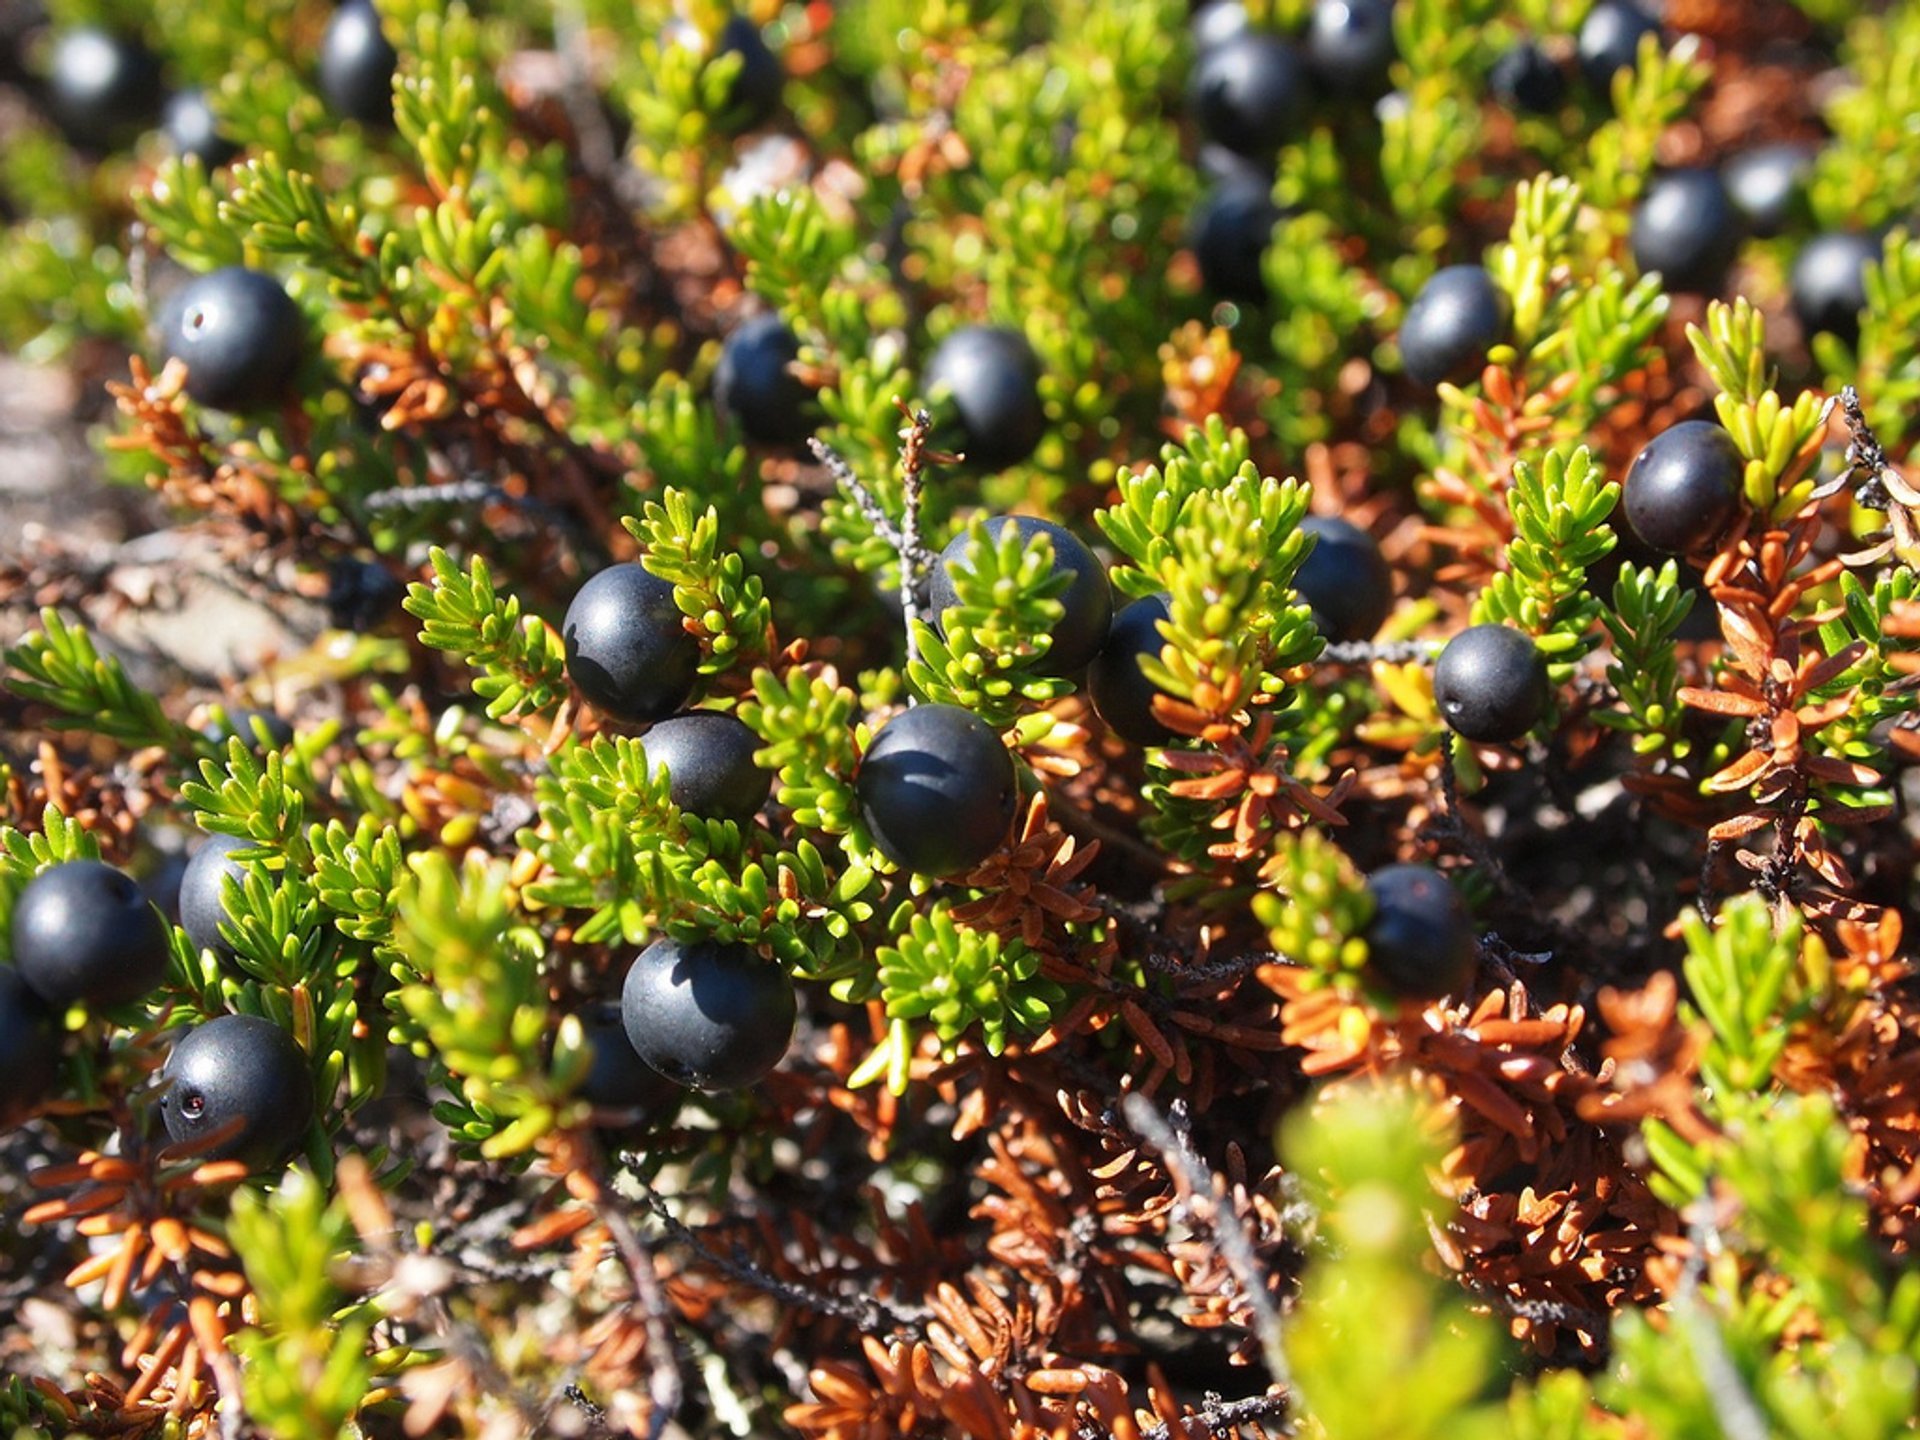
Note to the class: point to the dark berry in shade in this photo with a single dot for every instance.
(1216, 23)
(1491, 684)
(755, 92)
(712, 1015)
(360, 594)
(1768, 185)
(1829, 282)
(1218, 165)
(1087, 602)
(755, 384)
(241, 336)
(1122, 696)
(1527, 78)
(1350, 46)
(709, 761)
(103, 89)
(1684, 487)
(203, 906)
(1610, 41)
(243, 1072)
(227, 724)
(194, 132)
(356, 65)
(937, 789)
(627, 650)
(1250, 93)
(1458, 316)
(29, 1049)
(83, 930)
(991, 378)
(1230, 231)
(1344, 580)
(1420, 942)
(618, 1078)
(1685, 227)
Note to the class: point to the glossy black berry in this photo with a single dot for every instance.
(754, 93)
(709, 762)
(103, 88)
(203, 906)
(357, 64)
(194, 132)
(1685, 227)
(1230, 232)
(83, 930)
(1610, 41)
(1829, 282)
(243, 1072)
(937, 789)
(619, 1079)
(246, 725)
(1458, 316)
(29, 1049)
(1491, 683)
(1420, 942)
(1250, 92)
(1527, 78)
(360, 594)
(711, 1015)
(1087, 601)
(991, 378)
(1767, 185)
(1123, 697)
(1350, 45)
(755, 384)
(241, 336)
(627, 651)
(1683, 488)
(1345, 580)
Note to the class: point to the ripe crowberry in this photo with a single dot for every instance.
(243, 1078)
(1527, 78)
(991, 377)
(1829, 282)
(29, 1049)
(755, 91)
(83, 930)
(203, 905)
(1249, 92)
(1345, 580)
(1123, 697)
(357, 64)
(103, 89)
(1087, 601)
(1686, 228)
(937, 789)
(1767, 185)
(1610, 41)
(1683, 487)
(627, 651)
(360, 594)
(1420, 942)
(755, 385)
(241, 336)
(619, 1079)
(1350, 45)
(1491, 684)
(1458, 316)
(709, 762)
(1229, 235)
(194, 132)
(708, 1014)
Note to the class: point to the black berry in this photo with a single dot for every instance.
(991, 377)
(1122, 696)
(619, 1079)
(29, 1049)
(1458, 316)
(1829, 282)
(1491, 683)
(83, 930)
(627, 651)
(1230, 233)
(103, 88)
(709, 761)
(241, 336)
(360, 593)
(755, 385)
(194, 132)
(357, 64)
(937, 789)
(1685, 227)
(707, 1014)
(1610, 41)
(754, 93)
(1345, 580)
(1249, 92)
(1767, 185)
(1527, 78)
(1218, 165)
(1420, 942)
(1087, 601)
(1684, 486)
(1217, 23)
(203, 905)
(1350, 45)
(243, 1078)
